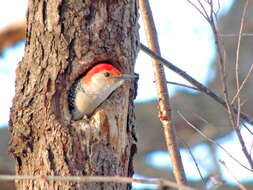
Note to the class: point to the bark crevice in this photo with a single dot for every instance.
(64, 39)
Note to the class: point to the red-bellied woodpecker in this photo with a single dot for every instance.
(87, 93)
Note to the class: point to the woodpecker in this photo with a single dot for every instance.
(88, 92)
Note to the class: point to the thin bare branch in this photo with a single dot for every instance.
(231, 111)
(193, 81)
(202, 12)
(242, 84)
(222, 67)
(251, 147)
(94, 179)
(213, 141)
(203, 9)
(237, 61)
(236, 121)
(241, 186)
(162, 93)
(236, 35)
(223, 77)
(221, 59)
(183, 85)
(218, 6)
(244, 148)
(246, 127)
(194, 160)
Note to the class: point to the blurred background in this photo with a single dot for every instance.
(187, 41)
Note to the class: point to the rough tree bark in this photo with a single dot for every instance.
(64, 39)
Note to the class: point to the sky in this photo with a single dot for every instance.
(185, 39)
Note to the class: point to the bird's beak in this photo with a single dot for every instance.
(126, 77)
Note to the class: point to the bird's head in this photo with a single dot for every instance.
(104, 76)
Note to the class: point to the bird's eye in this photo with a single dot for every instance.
(107, 74)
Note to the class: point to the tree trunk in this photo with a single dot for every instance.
(64, 39)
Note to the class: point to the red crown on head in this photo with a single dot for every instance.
(101, 67)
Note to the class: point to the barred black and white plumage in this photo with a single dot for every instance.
(72, 95)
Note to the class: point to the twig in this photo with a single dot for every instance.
(237, 61)
(183, 85)
(237, 96)
(193, 81)
(222, 65)
(194, 160)
(202, 12)
(251, 148)
(241, 186)
(93, 179)
(243, 83)
(212, 141)
(236, 35)
(247, 128)
(162, 93)
(237, 130)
